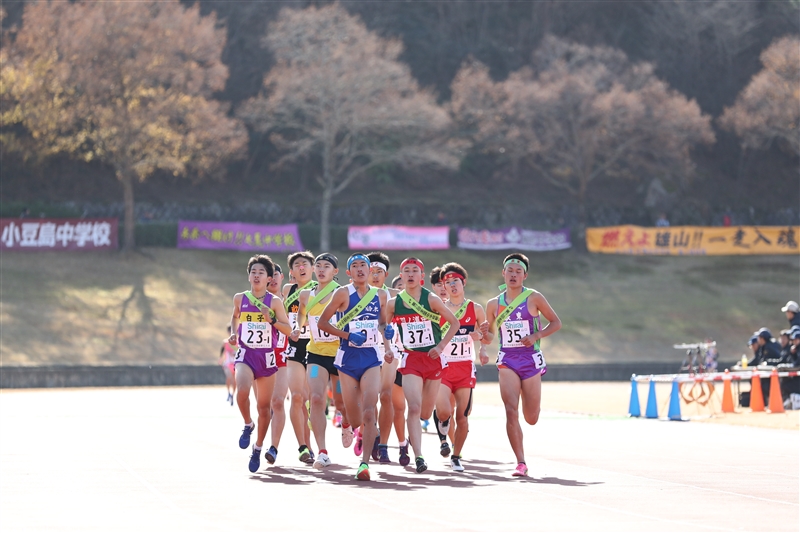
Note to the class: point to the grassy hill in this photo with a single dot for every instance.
(163, 306)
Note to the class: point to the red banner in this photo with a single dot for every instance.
(58, 234)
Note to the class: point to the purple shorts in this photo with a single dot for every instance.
(523, 364)
(261, 363)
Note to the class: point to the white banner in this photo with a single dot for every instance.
(398, 238)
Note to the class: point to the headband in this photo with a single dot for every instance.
(412, 261)
(357, 257)
(452, 274)
(515, 262)
(378, 264)
(330, 258)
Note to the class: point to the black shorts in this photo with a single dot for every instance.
(324, 361)
(398, 378)
(296, 351)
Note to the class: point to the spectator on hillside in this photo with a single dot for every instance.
(769, 351)
(26, 212)
(662, 221)
(792, 310)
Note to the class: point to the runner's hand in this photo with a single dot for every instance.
(476, 335)
(529, 340)
(232, 340)
(484, 328)
(294, 335)
(357, 338)
(388, 332)
(435, 352)
(388, 357)
(483, 357)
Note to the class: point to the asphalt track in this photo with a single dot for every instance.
(166, 459)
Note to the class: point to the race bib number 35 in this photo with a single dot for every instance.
(257, 334)
(460, 349)
(368, 328)
(417, 334)
(513, 332)
(304, 333)
(319, 335)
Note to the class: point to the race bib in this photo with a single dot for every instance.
(281, 342)
(417, 334)
(317, 334)
(538, 360)
(513, 331)
(304, 333)
(460, 349)
(368, 328)
(257, 335)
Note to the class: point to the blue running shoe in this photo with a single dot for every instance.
(244, 440)
(425, 424)
(255, 460)
(271, 455)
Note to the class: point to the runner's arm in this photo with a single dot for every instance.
(543, 307)
(281, 318)
(383, 297)
(491, 316)
(437, 306)
(237, 305)
(302, 317)
(338, 303)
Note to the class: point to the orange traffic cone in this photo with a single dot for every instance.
(727, 396)
(756, 396)
(775, 398)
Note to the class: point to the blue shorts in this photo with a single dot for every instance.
(355, 361)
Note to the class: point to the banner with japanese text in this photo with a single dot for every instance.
(58, 234)
(694, 240)
(398, 238)
(238, 236)
(513, 238)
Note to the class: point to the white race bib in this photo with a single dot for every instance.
(257, 334)
(317, 334)
(417, 334)
(513, 331)
(460, 349)
(304, 333)
(538, 360)
(368, 328)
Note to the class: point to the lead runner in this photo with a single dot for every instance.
(514, 314)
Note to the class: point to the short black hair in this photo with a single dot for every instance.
(454, 267)
(297, 255)
(380, 257)
(278, 268)
(262, 259)
(436, 275)
(521, 257)
(397, 279)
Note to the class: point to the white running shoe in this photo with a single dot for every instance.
(322, 461)
(455, 463)
(347, 436)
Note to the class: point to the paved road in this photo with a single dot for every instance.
(166, 459)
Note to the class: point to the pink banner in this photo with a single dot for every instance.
(58, 234)
(398, 238)
(238, 236)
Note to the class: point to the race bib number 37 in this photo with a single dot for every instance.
(513, 332)
(417, 334)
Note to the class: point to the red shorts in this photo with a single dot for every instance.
(420, 364)
(280, 361)
(459, 375)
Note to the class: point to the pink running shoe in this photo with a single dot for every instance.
(359, 446)
(521, 471)
(337, 420)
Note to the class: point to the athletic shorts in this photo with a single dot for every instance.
(459, 375)
(257, 361)
(325, 361)
(521, 363)
(355, 361)
(296, 351)
(398, 378)
(421, 364)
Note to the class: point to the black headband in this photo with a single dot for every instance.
(330, 258)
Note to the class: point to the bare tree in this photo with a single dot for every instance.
(126, 83)
(768, 109)
(338, 92)
(580, 114)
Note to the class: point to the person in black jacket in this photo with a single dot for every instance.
(792, 310)
(786, 345)
(769, 351)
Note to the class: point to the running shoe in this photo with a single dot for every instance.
(359, 447)
(347, 436)
(255, 460)
(442, 426)
(455, 464)
(383, 454)
(322, 461)
(425, 424)
(244, 440)
(305, 455)
(521, 470)
(363, 472)
(310, 457)
(375, 448)
(230, 398)
(337, 420)
(421, 465)
(444, 449)
(404, 457)
(271, 455)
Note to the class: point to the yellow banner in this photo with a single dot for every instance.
(694, 240)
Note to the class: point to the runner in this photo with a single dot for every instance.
(361, 326)
(226, 358)
(301, 270)
(514, 315)
(257, 317)
(278, 402)
(441, 292)
(418, 314)
(459, 380)
(398, 398)
(321, 351)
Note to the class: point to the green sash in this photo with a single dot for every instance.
(258, 303)
(459, 314)
(357, 309)
(417, 308)
(292, 298)
(321, 295)
(509, 309)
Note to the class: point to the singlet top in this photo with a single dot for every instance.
(462, 347)
(418, 334)
(255, 331)
(293, 309)
(281, 342)
(520, 323)
(321, 343)
(366, 322)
